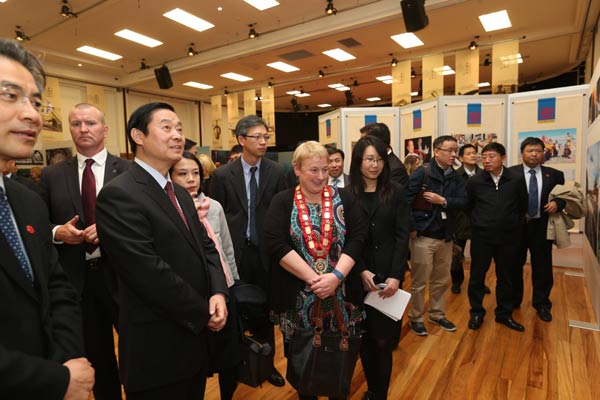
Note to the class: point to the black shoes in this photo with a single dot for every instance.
(444, 324)
(475, 321)
(368, 396)
(276, 379)
(418, 328)
(486, 290)
(511, 323)
(455, 289)
(544, 314)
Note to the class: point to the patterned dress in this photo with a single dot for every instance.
(305, 299)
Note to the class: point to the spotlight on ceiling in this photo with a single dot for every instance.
(488, 61)
(355, 83)
(473, 45)
(65, 10)
(225, 92)
(191, 51)
(413, 74)
(321, 73)
(330, 9)
(143, 64)
(270, 85)
(394, 62)
(413, 12)
(20, 35)
(252, 33)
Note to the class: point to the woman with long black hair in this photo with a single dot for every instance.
(384, 256)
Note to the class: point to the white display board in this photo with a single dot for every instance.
(411, 130)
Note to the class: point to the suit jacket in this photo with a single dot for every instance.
(62, 194)
(397, 169)
(463, 224)
(41, 323)
(229, 189)
(166, 274)
(550, 178)
(28, 183)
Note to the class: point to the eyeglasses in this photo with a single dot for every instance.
(13, 95)
(449, 151)
(258, 137)
(372, 160)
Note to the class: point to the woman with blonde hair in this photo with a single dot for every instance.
(208, 166)
(412, 162)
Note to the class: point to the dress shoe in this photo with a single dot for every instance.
(486, 290)
(455, 289)
(544, 314)
(368, 395)
(511, 323)
(475, 321)
(418, 328)
(276, 379)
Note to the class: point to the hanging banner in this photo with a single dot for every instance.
(328, 127)
(53, 121)
(268, 111)
(474, 114)
(370, 119)
(433, 78)
(505, 67)
(547, 109)
(416, 119)
(249, 102)
(216, 108)
(95, 95)
(401, 84)
(233, 116)
(467, 72)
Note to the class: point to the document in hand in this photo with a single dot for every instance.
(392, 307)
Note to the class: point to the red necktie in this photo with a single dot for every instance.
(171, 194)
(88, 198)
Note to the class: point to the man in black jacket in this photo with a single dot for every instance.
(397, 169)
(497, 200)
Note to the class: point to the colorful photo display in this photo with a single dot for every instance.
(559, 144)
(592, 183)
(54, 156)
(421, 146)
(479, 140)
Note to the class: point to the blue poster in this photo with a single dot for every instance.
(416, 119)
(474, 114)
(547, 109)
(370, 119)
(328, 127)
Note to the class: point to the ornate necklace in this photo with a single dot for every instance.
(318, 250)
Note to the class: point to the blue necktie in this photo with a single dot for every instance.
(532, 206)
(252, 207)
(336, 182)
(12, 236)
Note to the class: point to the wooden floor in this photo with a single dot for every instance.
(547, 361)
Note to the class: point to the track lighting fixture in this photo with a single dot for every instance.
(65, 10)
(321, 74)
(252, 33)
(394, 62)
(191, 51)
(20, 35)
(473, 45)
(225, 92)
(143, 64)
(270, 85)
(413, 74)
(355, 83)
(488, 61)
(330, 9)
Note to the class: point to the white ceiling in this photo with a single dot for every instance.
(555, 36)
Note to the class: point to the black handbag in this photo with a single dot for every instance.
(256, 361)
(321, 363)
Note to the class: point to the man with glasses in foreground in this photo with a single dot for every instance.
(41, 345)
(245, 188)
(435, 193)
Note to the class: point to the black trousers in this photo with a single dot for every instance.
(540, 249)
(457, 271)
(188, 389)
(504, 256)
(99, 314)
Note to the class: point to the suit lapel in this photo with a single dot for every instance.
(265, 177)
(72, 180)
(546, 182)
(111, 169)
(239, 183)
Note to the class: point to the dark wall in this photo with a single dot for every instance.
(294, 127)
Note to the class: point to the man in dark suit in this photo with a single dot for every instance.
(11, 172)
(337, 177)
(245, 188)
(171, 283)
(41, 344)
(497, 200)
(397, 168)
(540, 181)
(72, 218)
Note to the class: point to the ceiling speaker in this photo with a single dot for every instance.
(163, 77)
(414, 15)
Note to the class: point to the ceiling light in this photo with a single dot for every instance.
(191, 51)
(445, 70)
(262, 4)
(79, 64)
(138, 38)
(236, 77)
(321, 74)
(413, 74)
(302, 94)
(407, 40)
(198, 85)
(65, 10)
(512, 59)
(494, 21)
(252, 33)
(269, 85)
(394, 62)
(488, 61)
(99, 53)
(472, 45)
(343, 88)
(483, 84)
(387, 79)
(324, 105)
(293, 92)
(143, 64)
(373, 98)
(187, 19)
(330, 9)
(339, 55)
(20, 35)
(225, 92)
(257, 98)
(283, 66)
(413, 94)
(219, 8)
(335, 85)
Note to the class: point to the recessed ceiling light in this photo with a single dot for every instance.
(219, 8)
(494, 21)
(483, 84)
(339, 55)
(79, 65)
(335, 85)
(407, 40)
(512, 59)
(342, 88)
(414, 94)
(445, 70)
(262, 4)
(99, 53)
(236, 77)
(283, 66)
(302, 94)
(324, 105)
(387, 79)
(198, 85)
(293, 92)
(189, 20)
(138, 38)
(373, 98)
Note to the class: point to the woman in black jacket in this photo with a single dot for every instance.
(384, 256)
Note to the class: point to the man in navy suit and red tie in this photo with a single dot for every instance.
(41, 349)
(540, 181)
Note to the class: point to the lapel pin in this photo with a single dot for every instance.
(30, 229)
